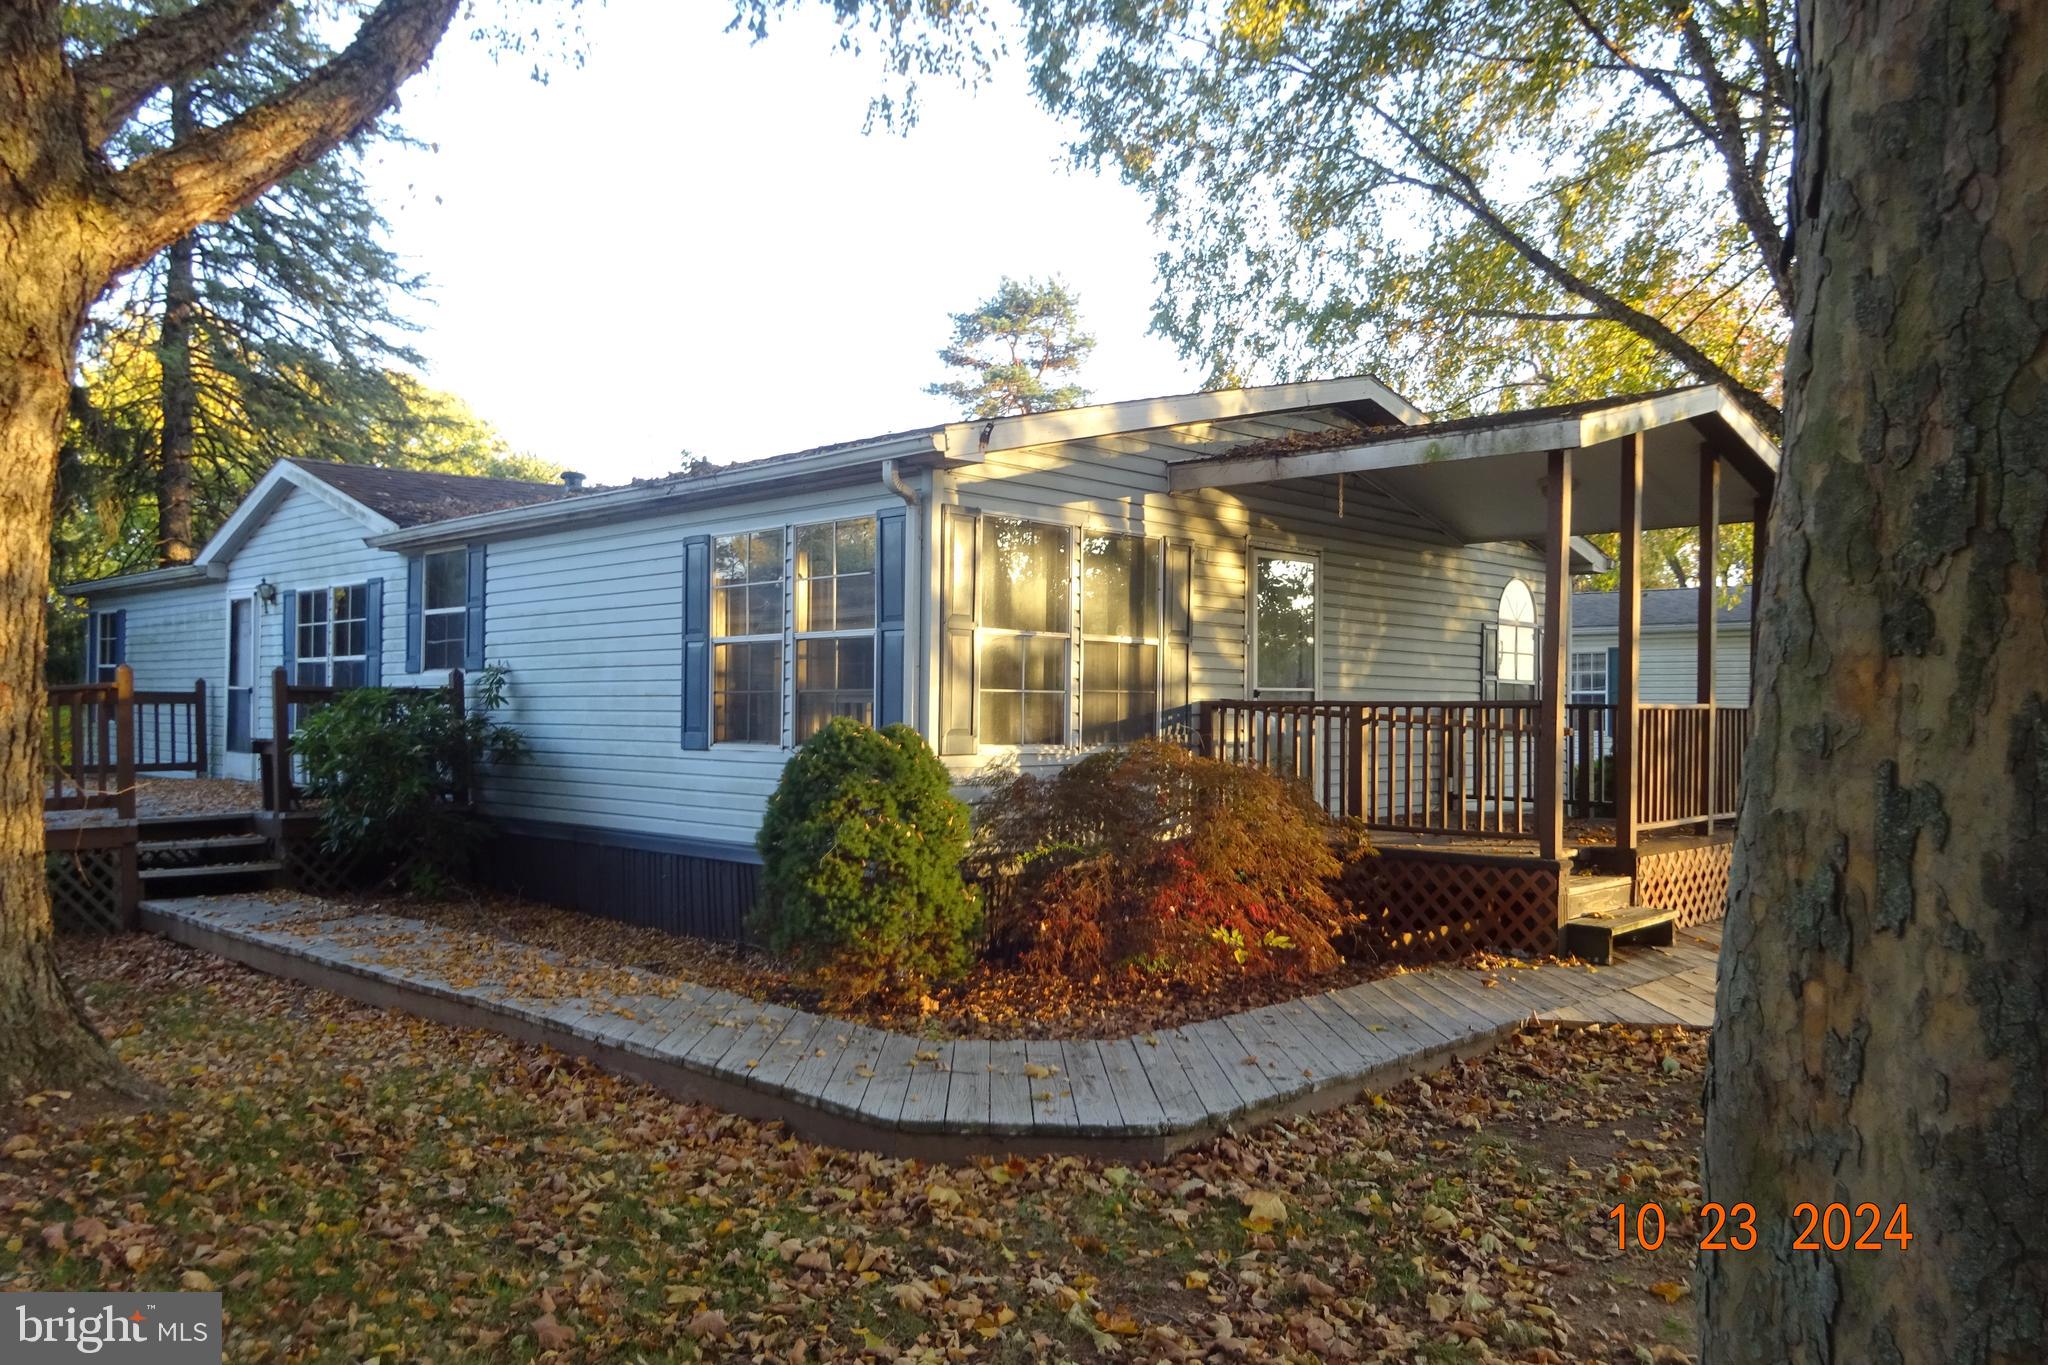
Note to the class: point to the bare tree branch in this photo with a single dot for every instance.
(1745, 187)
(207, 177)
(113, 83)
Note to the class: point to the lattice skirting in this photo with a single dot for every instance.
(310, 866)
(1692, 881)
(85, 891)
(1424, 907)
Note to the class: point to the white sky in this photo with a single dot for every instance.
(689, 243)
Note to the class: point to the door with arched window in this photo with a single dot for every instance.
(1509, 647)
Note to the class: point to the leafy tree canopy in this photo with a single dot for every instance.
(1489, 203)
(1019, 351)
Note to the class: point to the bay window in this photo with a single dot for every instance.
(1025, 623)
(1120, 577)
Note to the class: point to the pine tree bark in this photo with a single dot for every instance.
(1883, 1010)
(179, 398)
(69, 222)
(45, 1040)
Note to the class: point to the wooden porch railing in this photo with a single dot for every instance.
(1689, 763)
(289, 704)
(170, 731)
(1470, 767)
(89, 746)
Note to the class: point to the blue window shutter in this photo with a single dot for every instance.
(415, 603)
(120, 637)
(92, 647)
(697, 642)
(473, 618)
(890, 595)
(373, 633)
(290, 656)
(1614, 675)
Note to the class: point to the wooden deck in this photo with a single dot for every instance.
(1137, 1098)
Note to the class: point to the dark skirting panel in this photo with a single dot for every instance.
(680, 886)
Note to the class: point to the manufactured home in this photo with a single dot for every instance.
(1312, 575)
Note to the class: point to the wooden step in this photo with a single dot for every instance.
(1587, 894)
(1593, 936)
(203, 871)
(202, 844)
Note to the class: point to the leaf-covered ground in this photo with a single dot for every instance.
(994, 999)
(363, 1186)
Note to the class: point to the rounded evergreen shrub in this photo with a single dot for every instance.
(861, 852)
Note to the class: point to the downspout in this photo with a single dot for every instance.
(913, 659)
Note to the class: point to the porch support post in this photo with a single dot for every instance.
(1557, 592)
(1710, 550)
(1629, 654)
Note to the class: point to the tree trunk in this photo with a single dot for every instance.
(174, 364)
(45, 1040)
(1884, 980)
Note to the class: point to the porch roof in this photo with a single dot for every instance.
(1482, 477)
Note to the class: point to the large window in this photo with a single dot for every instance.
(1589, 677)
(1119, 638)
(444, 614)
(1026, 617)
(332, 632)
(834, 604)
(746, 638)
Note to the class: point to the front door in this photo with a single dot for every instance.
(1284, 647)
(239, 761)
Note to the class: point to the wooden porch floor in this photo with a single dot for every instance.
(1137, 1098)
(1578, 834)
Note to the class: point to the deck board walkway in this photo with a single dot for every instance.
(859, 1087)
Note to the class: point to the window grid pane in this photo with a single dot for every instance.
(1023, 689)
(1027, 578)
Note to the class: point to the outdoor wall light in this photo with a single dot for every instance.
(266, 592)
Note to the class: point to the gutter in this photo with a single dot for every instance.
(171, 576)
(730, 484)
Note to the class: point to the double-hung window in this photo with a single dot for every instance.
(444, 611)
(1589, 677)
(106, 646)
(1120, 578)
(746, 638)
(1026, 615)
(834, 611)
(332, 633)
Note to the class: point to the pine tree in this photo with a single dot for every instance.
(1017, 347)
(275, 332)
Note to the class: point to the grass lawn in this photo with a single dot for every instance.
(364, 1186)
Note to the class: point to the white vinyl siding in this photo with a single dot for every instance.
(1670, 662)
(174, 636)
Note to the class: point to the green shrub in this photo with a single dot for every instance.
(390, 768)
(861, 853)
(1150, 854)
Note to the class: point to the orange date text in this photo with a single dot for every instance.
(1733, 1227)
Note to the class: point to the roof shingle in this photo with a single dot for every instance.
(414, 497)
(1661, 607)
